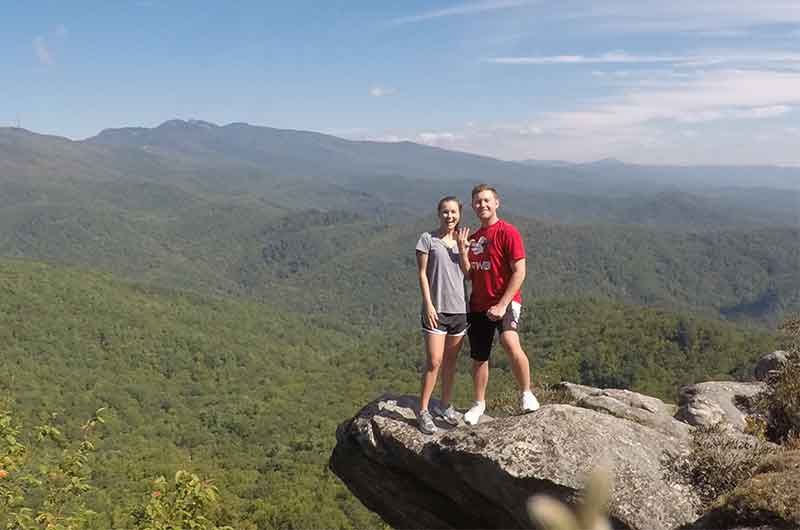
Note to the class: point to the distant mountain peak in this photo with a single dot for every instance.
(185, 124)
(205, 124)
(545, 163)
(607, 162)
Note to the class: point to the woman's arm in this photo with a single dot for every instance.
(463, 251)
(429, 313)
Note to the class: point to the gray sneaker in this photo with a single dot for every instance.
(449, 414)
(425, 421)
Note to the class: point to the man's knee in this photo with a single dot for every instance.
(510, 342)
(477, 365)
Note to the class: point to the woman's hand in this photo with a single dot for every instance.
(431, 317)
(463, 238)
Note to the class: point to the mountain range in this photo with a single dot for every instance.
(308, 169)
(255, 211)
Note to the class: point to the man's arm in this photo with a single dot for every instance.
(497, 311)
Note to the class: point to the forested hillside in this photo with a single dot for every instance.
(736, 274)
(250, 396)
(319, 259)
(231, 293)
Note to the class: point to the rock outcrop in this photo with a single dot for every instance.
(706, 404)
(639, 408)
(770, 364)
(482, 476)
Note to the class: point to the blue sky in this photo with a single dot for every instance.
(678, 82)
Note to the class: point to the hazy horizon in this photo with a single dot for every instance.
(522, 161)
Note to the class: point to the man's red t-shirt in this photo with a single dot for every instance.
(492, 252)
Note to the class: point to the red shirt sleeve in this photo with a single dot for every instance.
(514, 246)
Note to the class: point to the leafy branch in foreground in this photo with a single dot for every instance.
(44, 486)
(40, 490)
(183, 505)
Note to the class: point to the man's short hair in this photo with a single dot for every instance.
(483, 187)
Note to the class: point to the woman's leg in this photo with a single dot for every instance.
(452, 345)
(434, 348)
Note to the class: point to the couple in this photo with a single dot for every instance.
(493, 259)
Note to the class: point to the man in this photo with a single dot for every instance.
(497, 270)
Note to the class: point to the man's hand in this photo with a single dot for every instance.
(496, 312)
(431, 317)
(463, 239)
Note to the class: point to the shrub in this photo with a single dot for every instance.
(779, 404)
(770, 497)
(43, 485)
(39, 491)
(718, 460)
(187, 503)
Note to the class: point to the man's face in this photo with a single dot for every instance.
(485, 205)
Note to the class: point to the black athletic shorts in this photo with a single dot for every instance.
(453, 324)
(482, 329)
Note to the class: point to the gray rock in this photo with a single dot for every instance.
(625, 404)
(482, 476)
(770, 364)
(702, 525)
(705, 404)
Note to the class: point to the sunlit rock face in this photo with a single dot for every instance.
(482, 476)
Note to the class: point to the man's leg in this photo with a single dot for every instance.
(517, 358)
(480, 379)
(481, 335)
(521, 369)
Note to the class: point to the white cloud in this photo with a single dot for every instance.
(464, 9)
(681, 15)
(606, 58)
(439, 139)
(42, 50)
(379, 92)
(648, 124)
(758, 113)
(701, 59)
(348, 132)
(753, 113)
(530, 130)
(732, 94)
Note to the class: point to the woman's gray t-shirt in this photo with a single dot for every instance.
(444, 273)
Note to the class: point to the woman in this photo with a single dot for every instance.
(441, 264)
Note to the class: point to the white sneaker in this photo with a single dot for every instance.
(475, 412)
(528, 402)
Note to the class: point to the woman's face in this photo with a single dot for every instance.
(449, 214)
